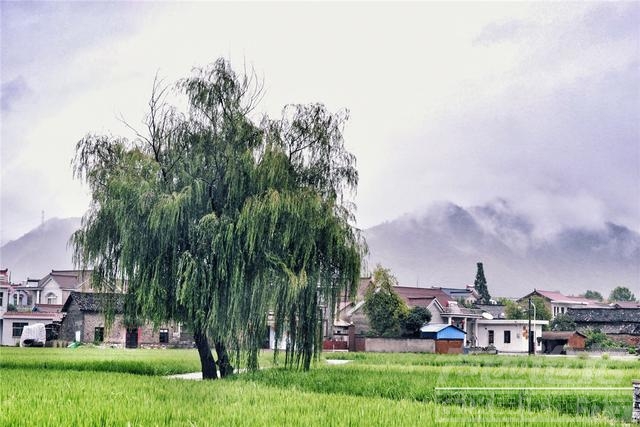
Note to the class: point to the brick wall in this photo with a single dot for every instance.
(400, 345)
(86, 323)
(72, 322)
(114, 334)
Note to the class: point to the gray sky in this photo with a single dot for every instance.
(535, 103)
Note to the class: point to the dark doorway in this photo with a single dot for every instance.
(132, 338)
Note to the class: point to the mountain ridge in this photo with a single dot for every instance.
(40, 250)
(439, 246)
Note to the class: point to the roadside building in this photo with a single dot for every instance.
(557, 342)
(509, 336)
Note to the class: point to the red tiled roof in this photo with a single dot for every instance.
(411, 293)
(421, 301)
(558, 296)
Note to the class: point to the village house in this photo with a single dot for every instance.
(85, 322)
(36, 301)
(557, 342)
(5, 286)
(14, 321)
(442, 303)
(448, 338)
(557, 303)
(509, 336)
(352, 312)
(618, 322)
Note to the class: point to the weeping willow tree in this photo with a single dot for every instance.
(214, 220)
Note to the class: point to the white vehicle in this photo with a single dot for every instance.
(33, 335)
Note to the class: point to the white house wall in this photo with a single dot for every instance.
(282, 344)
(519, 339)
(51, 287)
(435, 314)
(7, 329)
(5, 299)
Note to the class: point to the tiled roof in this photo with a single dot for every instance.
(67, 279)
(560, 297)
(497, 311)
(419, 301)
(560, 335)
(31, 315)
(458, 293)
(625, 304)
(95, 302)
(604, 315)
(412, 293)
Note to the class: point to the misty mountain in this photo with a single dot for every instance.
(438, 247)
(39, 251)
(441, 246)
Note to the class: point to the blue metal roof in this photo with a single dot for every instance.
(442, 331)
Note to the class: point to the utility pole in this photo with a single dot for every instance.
(529, 330)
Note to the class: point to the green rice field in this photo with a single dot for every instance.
(103, 386)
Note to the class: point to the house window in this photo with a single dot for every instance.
(164, 336)
(507, 337)
(15, 299)
(17, 328)
(490, 337)
(51, 298)
(1, 298)
(98, 334)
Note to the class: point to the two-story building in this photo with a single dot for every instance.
(557, 303)
(36, 300)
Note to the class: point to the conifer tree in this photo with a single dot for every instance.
(480, 285)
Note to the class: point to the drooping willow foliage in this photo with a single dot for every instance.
(214, 220)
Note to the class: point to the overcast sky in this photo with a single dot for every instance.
(535, 103)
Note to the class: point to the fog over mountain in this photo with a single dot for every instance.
(440, 247)
(39, 251)
(437, 247)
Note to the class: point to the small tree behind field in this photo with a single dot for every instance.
(416, 318)
(594, 295)
(621, 293)
(513, 311)
(383, 306)
(562, 322)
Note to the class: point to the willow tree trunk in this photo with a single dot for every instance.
(207, 361)
(223, 360)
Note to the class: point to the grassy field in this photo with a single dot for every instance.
(93, 386)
